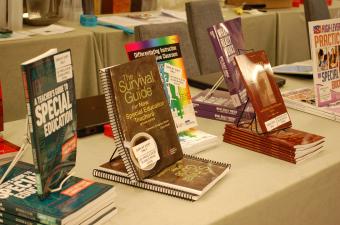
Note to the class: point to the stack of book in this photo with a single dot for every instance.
(227, 40)
(270, 133)
(80, 201)
(219, 106)
(288, 144)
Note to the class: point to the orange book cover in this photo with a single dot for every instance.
(121, 6)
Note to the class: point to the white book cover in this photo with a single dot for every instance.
(325, 47)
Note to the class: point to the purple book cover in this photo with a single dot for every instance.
(220, 102)
(227, 39)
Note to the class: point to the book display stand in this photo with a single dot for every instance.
(269, 130)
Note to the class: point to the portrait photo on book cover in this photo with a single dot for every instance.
(333, 57)
(322, 59)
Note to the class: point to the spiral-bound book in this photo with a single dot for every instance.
(189, 178)
(140, 117)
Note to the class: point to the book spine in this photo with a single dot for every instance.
(115, 125)
(215, 116)
(15, 219)
(26, 83)
(214, 108)
(144, 185)
(27, 214)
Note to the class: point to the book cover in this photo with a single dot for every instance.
(325, 49)
(188, 178)
(263, 93)
(78, 200)
(51, 109)
(173, 74)
(227, 39)
(140, 117)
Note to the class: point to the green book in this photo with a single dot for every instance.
(51, 100)
(78, 201)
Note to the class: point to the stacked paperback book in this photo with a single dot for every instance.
(288, 144)
(270, 130)
(80, 201)
(218, 106)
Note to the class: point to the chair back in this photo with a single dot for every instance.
(200, 16)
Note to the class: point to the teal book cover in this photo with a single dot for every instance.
(173, 75)
(78, 197)
(51, 108)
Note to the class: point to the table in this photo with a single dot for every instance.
(259, 190)
(85, 57)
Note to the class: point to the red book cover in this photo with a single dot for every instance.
(264, 94)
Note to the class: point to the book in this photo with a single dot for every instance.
(289, 144)
(78, 201)
(325, 48)
(263, 93)
(141, 121)
(194, 140)
(215, 116)
(228, 42)
(108, 213)
(189, 178)
(51, 109)
(219, 102)
(99, 218)
(173, 75)
(303, 99)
